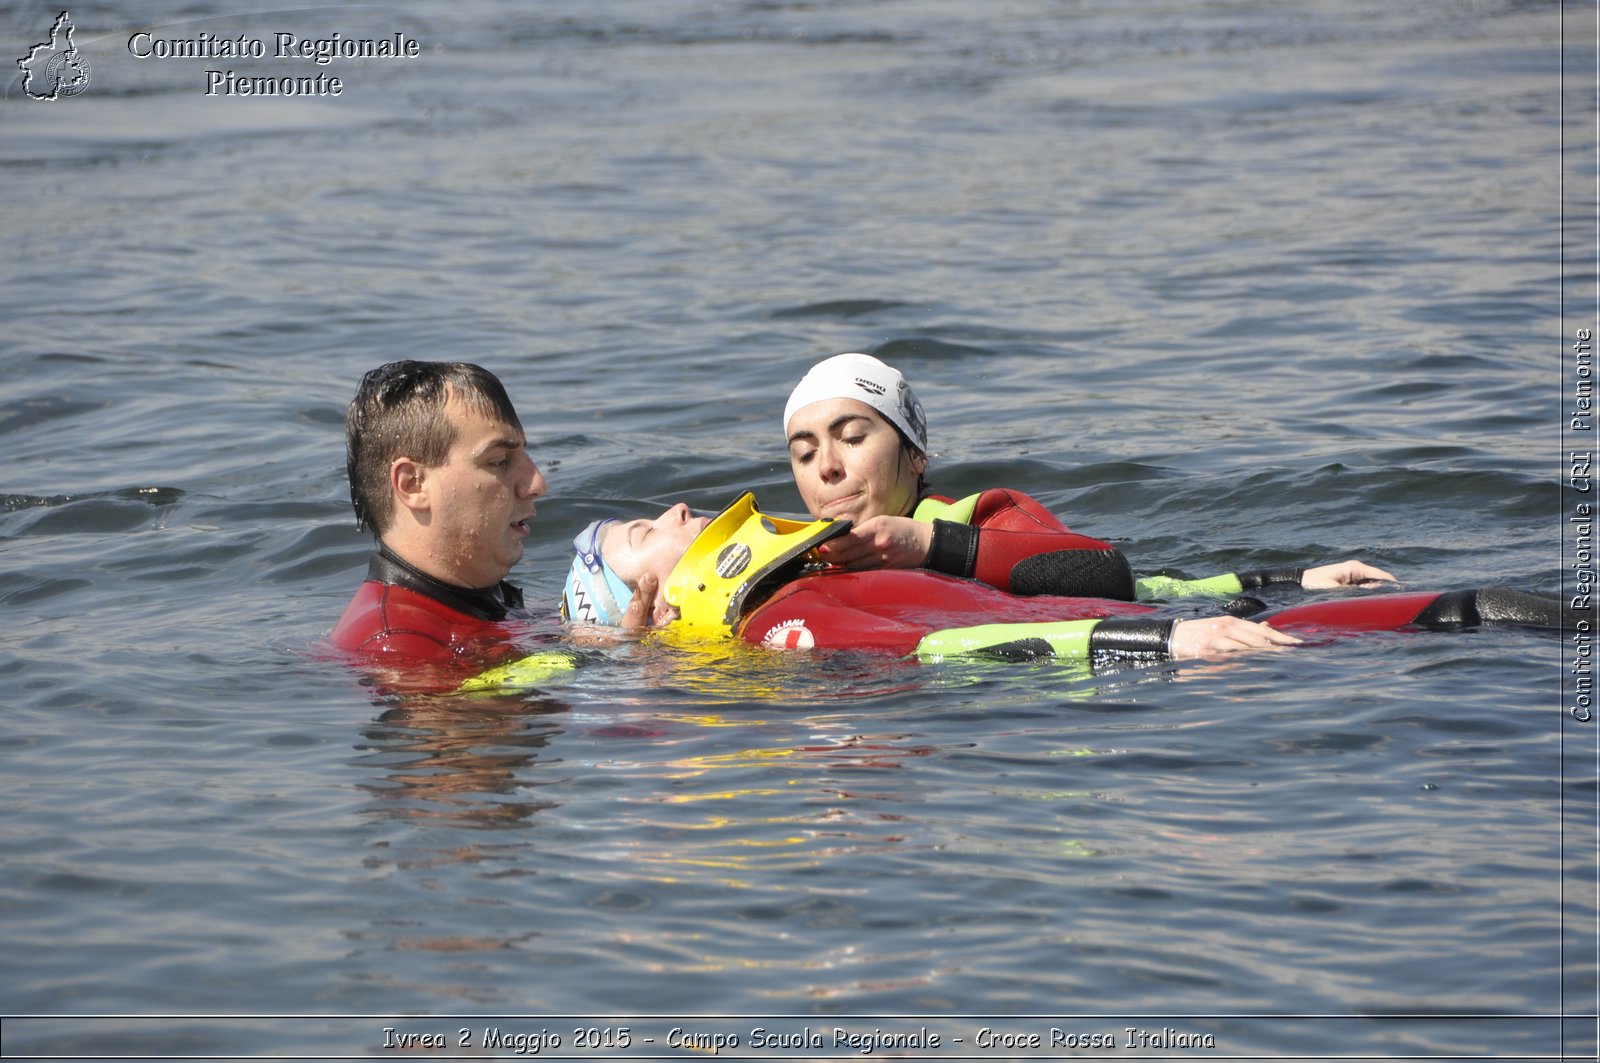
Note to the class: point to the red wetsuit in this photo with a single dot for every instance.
(1010, 541)
(403, 615)
(893, 610)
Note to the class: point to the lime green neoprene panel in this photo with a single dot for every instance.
(536, 669)
(1067, 638)
(1167, 587)
(958, 512)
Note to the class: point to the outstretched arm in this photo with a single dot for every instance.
(1150, 637)
(1323, 577)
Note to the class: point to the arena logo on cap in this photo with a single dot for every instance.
(57, 65)
(870, 385)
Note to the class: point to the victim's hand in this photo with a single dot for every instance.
(1224, 634)
(1343, 574)
(642, 607)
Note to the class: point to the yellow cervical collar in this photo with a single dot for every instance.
(736, 562)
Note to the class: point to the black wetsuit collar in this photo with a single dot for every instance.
(484, 603)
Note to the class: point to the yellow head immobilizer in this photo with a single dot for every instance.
(735, 564)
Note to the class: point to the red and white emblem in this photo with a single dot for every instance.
(789, 635)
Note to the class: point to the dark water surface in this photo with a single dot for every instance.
(1233, 284)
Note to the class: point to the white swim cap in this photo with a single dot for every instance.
(866, 379)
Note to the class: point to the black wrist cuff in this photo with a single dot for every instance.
(954, 550)
(1270, 577)
(1244, 606)
(1146, 636)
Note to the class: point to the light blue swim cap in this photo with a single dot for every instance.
(594, 593)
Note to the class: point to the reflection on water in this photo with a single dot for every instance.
(459, 759)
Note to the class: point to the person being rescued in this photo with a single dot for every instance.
(746, 575)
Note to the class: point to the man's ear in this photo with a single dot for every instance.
(919, 462)
(408, 479)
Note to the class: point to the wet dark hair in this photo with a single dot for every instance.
(912, 450)
(398, 412)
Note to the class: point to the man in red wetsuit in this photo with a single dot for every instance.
(440, 473)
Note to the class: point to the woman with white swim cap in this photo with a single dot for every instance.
(858, 448)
